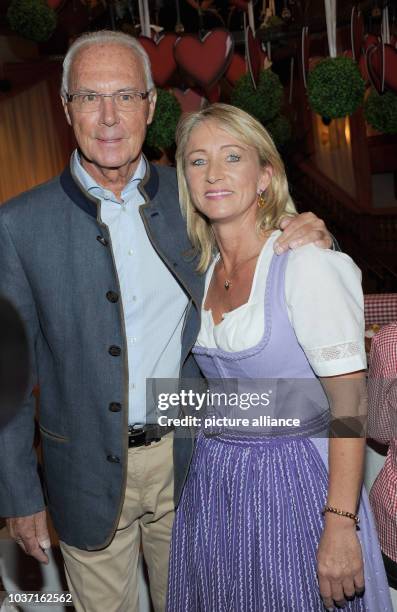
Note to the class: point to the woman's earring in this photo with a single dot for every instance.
(261, 200)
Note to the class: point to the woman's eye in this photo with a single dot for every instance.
(197, 162)
(233, 157)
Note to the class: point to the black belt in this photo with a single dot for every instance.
(143, 436)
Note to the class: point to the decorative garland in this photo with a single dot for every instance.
(32, 19)
(161, 132)
(264, 102)
(335, 87)
(380, 111)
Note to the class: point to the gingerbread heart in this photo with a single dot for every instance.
(391, 67)
(190, 100)
(236, 70)
(256, 56)
(382, 67)
(161, 57)
(205, 60)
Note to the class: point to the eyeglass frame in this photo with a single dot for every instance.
(70, 96)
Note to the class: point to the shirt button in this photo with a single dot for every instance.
(133, 386)
(133, 340)
(113, 459)
(134, 298)
(114, 351)
(114, 407)
(112, 296)
(130, 252)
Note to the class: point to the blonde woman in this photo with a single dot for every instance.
(269, 518)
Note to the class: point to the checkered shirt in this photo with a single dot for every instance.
(382, 426)
(380, 308)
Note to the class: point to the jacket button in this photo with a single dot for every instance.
(114, 407)
(102, 240)
(113, 459)
(114, 351)
(112, 296)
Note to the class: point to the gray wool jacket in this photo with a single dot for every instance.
(56, 266)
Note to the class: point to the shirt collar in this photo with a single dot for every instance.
(91, 186)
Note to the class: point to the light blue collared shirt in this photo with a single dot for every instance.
(154, 304)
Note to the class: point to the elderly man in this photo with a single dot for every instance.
(94, 261)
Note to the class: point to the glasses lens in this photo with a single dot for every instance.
(128, 101)
(87, 102)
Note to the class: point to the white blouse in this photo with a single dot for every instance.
(325, 307)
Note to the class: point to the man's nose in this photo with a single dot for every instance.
(109, 114)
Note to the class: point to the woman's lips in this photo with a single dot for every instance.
(217, 195)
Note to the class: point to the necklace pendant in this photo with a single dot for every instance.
(227, 285)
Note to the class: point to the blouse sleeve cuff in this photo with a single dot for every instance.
(339, 366)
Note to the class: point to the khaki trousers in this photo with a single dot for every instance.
(107, 580)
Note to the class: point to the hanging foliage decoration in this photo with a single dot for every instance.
(161, 132)
(279, 129)
(32, 19)
(335, 87)
(264, 102)
(380, 111)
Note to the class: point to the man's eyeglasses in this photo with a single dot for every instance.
(124, 100)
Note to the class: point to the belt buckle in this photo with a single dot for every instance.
(136, 438)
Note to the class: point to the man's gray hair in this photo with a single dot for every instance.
(105, 37)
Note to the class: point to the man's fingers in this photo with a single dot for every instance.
(42, 530)
(359, 582)
(34, 550)
(31, 534)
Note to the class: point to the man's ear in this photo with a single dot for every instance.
(152, 105)
(66, 110)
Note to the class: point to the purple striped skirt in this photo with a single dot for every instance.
(247, 529)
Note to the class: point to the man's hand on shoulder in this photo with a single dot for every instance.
(31, 533)
(303, 229)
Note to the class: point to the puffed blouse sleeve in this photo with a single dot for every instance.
(326, 308)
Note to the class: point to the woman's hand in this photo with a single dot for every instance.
(340, 566)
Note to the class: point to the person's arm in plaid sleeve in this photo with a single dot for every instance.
(382, 384)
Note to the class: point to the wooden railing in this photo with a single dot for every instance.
(369, 237)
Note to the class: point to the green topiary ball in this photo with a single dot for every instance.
(161, 132)
(32, 19)
(381, 111)
(265, 101)
(279, 129)
(335, 87)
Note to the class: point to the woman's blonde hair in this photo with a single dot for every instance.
(250, 132)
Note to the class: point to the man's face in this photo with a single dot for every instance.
(109, 138)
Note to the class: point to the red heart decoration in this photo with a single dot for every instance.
(369, 40)
(240, 4)
(190, 100)
(205, 60)
(391, 67)
(161, 57)
(374, 57)
(379, 59)
(256, 56)
(213, 95)
(236, 70)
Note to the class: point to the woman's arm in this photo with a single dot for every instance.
(339, 557)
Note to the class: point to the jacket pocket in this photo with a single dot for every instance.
(51, 435)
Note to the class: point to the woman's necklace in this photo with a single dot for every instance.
(228, 281)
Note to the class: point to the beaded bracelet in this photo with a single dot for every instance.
(350, 515)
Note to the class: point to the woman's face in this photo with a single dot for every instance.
(223, 174)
